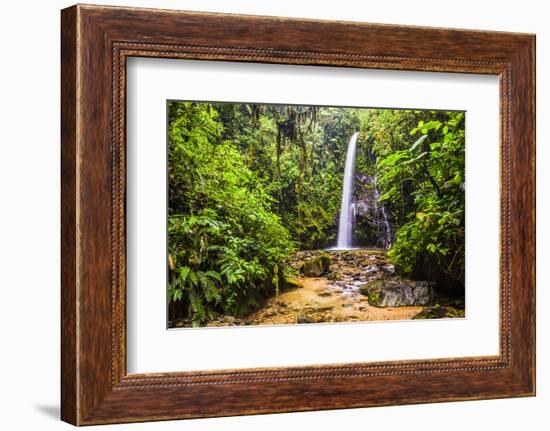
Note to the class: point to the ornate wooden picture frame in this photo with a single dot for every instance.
(96, 41)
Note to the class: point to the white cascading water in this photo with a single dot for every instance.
(345, 225)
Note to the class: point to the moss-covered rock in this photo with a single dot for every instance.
(302, 318)
(291, 283)
(440, 312)
(375, 297)
(371, 287)
(395, 293)
(316, 266)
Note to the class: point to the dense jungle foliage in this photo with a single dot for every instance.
(250, 184)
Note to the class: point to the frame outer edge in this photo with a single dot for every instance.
(531, 120)
(532, 79)
(533, 56)
(69, 211)
(523, 217)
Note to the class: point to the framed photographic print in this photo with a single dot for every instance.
(324, 214)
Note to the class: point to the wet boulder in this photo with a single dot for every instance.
(400, 294)
(315, 266)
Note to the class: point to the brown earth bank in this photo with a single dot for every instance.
(347, 286)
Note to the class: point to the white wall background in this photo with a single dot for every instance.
(29, 215)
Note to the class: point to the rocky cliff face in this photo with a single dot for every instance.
(373, 226)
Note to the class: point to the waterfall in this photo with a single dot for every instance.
(345, 225)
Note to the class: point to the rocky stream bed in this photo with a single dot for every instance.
(348, 286)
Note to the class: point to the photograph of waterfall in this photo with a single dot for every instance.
(299, 214)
